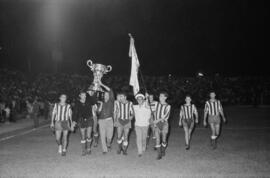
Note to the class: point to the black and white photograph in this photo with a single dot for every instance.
(134, 89)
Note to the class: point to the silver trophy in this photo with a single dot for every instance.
(98, 71)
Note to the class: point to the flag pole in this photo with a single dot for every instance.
(140, 72)
(144, 86)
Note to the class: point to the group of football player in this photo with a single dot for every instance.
(96, 118)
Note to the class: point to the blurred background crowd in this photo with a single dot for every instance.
(22, 94)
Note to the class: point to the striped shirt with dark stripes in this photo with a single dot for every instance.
(188, 111)
(61, 112)
(125, 110)
(162, 111)
(213, 108)
(116, 106)
(153, 105)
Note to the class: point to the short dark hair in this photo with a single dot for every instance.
(82, 91)
(122, 93)
(164, 93)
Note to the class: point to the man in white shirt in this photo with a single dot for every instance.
(142, 114)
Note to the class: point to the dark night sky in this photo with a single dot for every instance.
(180, 37)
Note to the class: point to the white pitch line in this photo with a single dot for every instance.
(23, 133)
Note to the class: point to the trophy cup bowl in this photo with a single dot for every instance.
(98, 71)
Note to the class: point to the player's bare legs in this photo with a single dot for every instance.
(190, 130)
(120, 131)
(65, 141)
(58, 135)
(213, 134)
(83, 141)
(186, 130)
(125, 142)
(157, 135)
(164, 140)
(217, 129)
(88, 139)
(95, 132)
(217, 132)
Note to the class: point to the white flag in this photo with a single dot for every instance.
(134, 82)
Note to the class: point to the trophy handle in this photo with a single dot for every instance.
(90, 64)
(108, 68)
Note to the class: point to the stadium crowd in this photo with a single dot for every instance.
(19, 94)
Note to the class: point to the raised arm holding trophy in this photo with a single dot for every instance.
(98, 71)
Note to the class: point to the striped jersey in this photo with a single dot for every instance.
(213, 108)
(162, 111)
(61, 112)
(153, 105)
(116, 106)
(125, 110)
(188, 111)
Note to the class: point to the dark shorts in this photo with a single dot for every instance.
(214, 119)
(123, 123)
(85, 123)
(188, 123)
(162, 127)
(62, 125)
